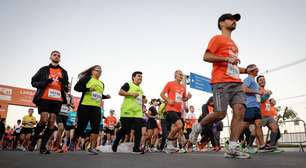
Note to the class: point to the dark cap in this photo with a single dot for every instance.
(228, 16)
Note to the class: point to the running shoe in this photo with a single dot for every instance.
(21, 148)
(216, 149)
(44, 150)
(182, 150)
(250, 150)
(170, 150)
(236, 153)
(265, 149)
(155, 149)
(114, 148)
(92, 151)
(201, 146)
(139, 152)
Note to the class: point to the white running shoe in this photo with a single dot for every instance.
(182, 150)
(236, 153)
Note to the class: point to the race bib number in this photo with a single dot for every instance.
(96, 96)
(268, 107)
(178, 97)
(64, 108)
(233, 70)
(258, 99)
(53, 93)
(139, 100)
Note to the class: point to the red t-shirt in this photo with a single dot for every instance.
(53, 90)
(223, 72)
(176, 92)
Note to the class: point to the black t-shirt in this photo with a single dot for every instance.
(153, 111)
(125, 87)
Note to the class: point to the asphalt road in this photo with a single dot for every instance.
(17, 159)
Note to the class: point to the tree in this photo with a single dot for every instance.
(286, 113)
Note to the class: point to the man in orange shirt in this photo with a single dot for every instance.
(110, 123)
(51, 82)
(222, 52)
(190, 120)
(176, 96)
(266, 113)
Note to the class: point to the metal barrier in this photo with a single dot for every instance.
(293, 132)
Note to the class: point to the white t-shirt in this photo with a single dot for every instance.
(190, 116)
(18, 128)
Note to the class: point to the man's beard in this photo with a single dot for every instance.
(55, 61)
(232, 28)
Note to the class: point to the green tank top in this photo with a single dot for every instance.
(131, 106)
(93, 98)
(162, 111)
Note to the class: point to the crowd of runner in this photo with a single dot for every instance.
(164, 124)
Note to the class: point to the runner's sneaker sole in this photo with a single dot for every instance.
(92, 153)
(230, 156)
(278, 151)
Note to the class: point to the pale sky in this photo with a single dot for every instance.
(156, 37)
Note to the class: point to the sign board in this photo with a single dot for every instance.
(16, 96)
(199, 82)
(10, 95)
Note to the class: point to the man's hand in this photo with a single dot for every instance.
(189, 95)
(134, 94)
(107, 96)
(269, 92)
(233, 60)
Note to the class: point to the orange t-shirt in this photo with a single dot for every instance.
(190, 120)
(223, 72)
(265, 107)
(273, 111)
(110, 122)
(176, 92)
(53, 90)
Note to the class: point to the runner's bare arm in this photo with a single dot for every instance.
(164, 97)
(247, 90)
(124, 93)
(243, 70)
(148, 114)
(187, 97)
(209, 57)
